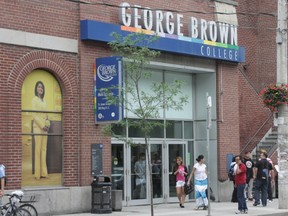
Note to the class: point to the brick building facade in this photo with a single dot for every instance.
(45, 35)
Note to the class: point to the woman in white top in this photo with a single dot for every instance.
(200, 176)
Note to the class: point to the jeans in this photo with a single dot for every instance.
(261, 185)
(270, 192)
(241, 198)
(248, 189)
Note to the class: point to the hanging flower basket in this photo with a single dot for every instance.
(274, 95)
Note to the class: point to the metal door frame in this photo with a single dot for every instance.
(166, 171)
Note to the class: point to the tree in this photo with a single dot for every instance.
(145, 105)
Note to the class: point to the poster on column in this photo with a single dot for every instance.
(41, 130)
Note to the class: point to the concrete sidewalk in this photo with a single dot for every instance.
(217, 209)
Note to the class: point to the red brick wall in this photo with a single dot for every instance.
(18, 63)
(227, 115)
(56, 18)
(257, 33)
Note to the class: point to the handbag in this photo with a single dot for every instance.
(212, 196)
(188, 188)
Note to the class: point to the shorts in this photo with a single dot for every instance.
(180, 183)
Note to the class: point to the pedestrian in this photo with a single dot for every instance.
(271, 182)
(231, 174)
(240, 182)
(140, 174)
(180, 171)
(2, 182)
(261, 175)
(249, 175)
(200, 174)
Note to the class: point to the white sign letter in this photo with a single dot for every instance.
(203, 29)
(223, 30)
(147, 19)
(168, 26)
(179, 24)
(136, 16)
(212, 31)
(193, 27)
(124, 18)
(158, 21)
(234, 35)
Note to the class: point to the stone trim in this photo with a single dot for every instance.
(230, 2)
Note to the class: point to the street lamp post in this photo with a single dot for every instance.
(209, 105)
(282, 141)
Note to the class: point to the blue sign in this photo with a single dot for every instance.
(108, 80)
(100, 31)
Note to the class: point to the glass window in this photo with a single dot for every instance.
(188, 130)
(174, 129)
(186, 89)
(118, 129)
(156, 132)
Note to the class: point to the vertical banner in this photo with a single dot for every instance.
(108, 78)
(96, 159)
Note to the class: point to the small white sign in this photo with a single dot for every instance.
(280, 120)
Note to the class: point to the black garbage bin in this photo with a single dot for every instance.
(101, 195)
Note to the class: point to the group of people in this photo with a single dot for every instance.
(200, 175)
(246, 172)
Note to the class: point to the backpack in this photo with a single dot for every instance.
(231, 173)
(265, 171)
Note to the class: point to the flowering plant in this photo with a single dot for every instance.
(274, 95)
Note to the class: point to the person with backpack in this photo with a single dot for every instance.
(2, 182)
(231, 175)
(261, 177)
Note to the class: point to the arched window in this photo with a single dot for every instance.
(41, 130)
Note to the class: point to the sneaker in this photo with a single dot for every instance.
(205, 207)
(239, 212)
(256, 204)
(270, 200)
(251, 199)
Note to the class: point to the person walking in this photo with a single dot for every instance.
(249, 175)
(271, 182)
(231, 174)
(180, 171)
(240, 182)
(140, 174)
(261, 177)
(200, 172)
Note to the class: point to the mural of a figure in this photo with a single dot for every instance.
(41, 125)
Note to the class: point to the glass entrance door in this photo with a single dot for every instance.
(139, 189)
(130, 171)
(174, 149)
(118, 167)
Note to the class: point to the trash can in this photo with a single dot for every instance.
(101, 195)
